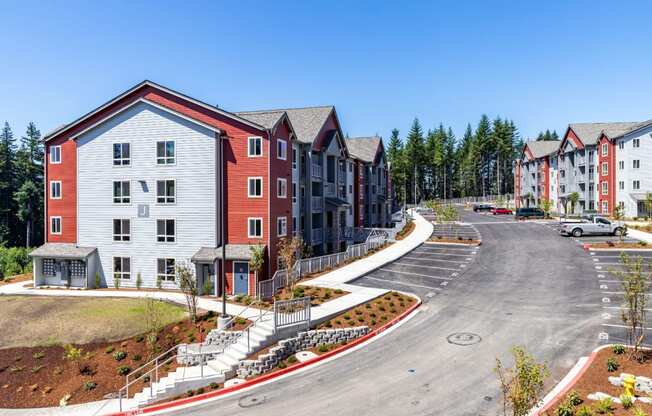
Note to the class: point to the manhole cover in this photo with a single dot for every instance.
(251, 401)
(463, 338)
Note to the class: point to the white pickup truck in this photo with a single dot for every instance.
(593, 226)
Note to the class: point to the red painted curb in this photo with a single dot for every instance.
(269, 376)
(586, 246)
(571, 384)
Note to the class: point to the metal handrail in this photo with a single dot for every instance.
(149, 362)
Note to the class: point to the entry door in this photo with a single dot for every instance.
(241, 278)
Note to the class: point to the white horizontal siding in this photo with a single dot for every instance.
(142, 126)
(643, 174)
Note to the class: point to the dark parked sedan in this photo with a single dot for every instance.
(482, 208)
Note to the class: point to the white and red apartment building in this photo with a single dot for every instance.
(604, 163)
(135, 187)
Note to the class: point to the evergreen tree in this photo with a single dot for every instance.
(395, 156)
(548, 135)
(29, 195)
(415, 161)
(482, 152)
(8, 228)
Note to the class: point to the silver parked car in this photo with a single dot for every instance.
(593, 226)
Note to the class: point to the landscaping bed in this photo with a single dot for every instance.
(318, 296)
(407, 230)
(640, 245)
(15, 279)
(458, 240)
(374, 313)
(595, 379)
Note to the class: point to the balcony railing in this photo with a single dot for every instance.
(341, 178)
(330, 189)
(317, 171)
(316, 203)
(316, 235)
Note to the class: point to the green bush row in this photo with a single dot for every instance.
(14, 260)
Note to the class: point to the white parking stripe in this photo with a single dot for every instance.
(441, 254)
(402, 283)
(423, 265)
(447, 261)
(622, 326)
(417, 274)
(435, 247)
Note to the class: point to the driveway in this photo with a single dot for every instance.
(524, 286)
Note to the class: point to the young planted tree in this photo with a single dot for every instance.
(289, 248)
(153, 322)
(257, 261)
(619, 215)
(522, 385)
(187, 282)
(634, 280)
(573, 198)
(648, 204)
(546, 206)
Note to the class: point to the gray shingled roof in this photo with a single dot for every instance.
(233, 252)
(267, 119)
(543, 147)
(363, 148)
(306, 122)
(589, 133)
(62, 250)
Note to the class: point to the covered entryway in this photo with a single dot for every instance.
(208, 261)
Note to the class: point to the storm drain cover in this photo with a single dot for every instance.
(251, 401)
(463, 338)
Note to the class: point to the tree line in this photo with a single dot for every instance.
(21, 188)
(434, 164)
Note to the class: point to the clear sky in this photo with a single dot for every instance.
(542, 64)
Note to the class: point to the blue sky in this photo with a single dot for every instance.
(542, 64)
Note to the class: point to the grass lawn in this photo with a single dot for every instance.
(29, 321)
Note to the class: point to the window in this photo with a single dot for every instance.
(281, 149)
(255, 147)
(55, 189)
(350, 189)
(621, 185)
(636, 163)
(605, 149)
(605, 206)
(122, 268)
(121, 154)
(121, 230)
(621, 165)
(294, 158)
(165, 152)
(605, 169)
(55, 225)
(621, 204)
(255, 188)
(350, 167)
(165, 269)
(166, 191)
(636, 185)
(166, 231)
(281, 226)
(636, 143)
(294, 193)
(121, 192)
(281, 188)
(621, 145)
(605, 188)
(294, 226)
(55, 154)
(255, 229)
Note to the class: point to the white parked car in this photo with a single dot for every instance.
(593, 226)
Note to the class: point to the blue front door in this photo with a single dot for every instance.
(241, 278)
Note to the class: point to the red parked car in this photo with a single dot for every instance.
(501, 211)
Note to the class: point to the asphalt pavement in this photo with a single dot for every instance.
(526, 285)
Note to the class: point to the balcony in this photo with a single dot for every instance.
(316, 203)
(316, 235)
(317, 171)
(330, 189)
(341, 178)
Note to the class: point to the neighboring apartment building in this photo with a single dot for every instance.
(373, 207)
(135, 188)
(535, 173)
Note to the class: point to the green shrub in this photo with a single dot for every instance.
(584, 411)
(38, 355)
(638, 412)
(367, 305)
(139, 338)
(98, 281)
(89, 385)
(109, 349)
(612, 365)
(626, 401)
(338, 291)
(119, 355)
(347, 317)
(358, 312)
(565, 409)
(159, 283)
(618, 349)
(322, 348)
(199, 390)
(292, 359)
(14, 260)
(123, 370)
(207, 288)
(604, 406)
(136, 357)
(214, 386)
(116, 283)
(139, 281)
(574, 398)
(281, 365)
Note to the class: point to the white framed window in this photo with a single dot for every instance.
(621, 185)
(605, 149)
(121, 192)
(55, 155)
(281, 149)
(605, 169)
(122, 268)
(121, 154)
(350, 189)
(636, 185)
(636, 163)
(55, 225)
(166, 230)
(255, 147)
(165, 152)
(294, 193)
(294, 158)
(166, 191)
(165, 269)
(605, 206)
(621, 144)
(621, 165)
(294, 226)
(281, 226)
(255, 187)
(281, 188)
(621, 204)
(350, 166)
(636, 143)
(254, 227)
(55, 189)
(605, 188)
(121, 230)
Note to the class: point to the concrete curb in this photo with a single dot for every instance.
(566, 384)
(271, 376)
(587, 247)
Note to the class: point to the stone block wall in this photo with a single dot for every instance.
(303, 341)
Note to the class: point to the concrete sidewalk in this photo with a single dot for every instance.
(640, 235)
